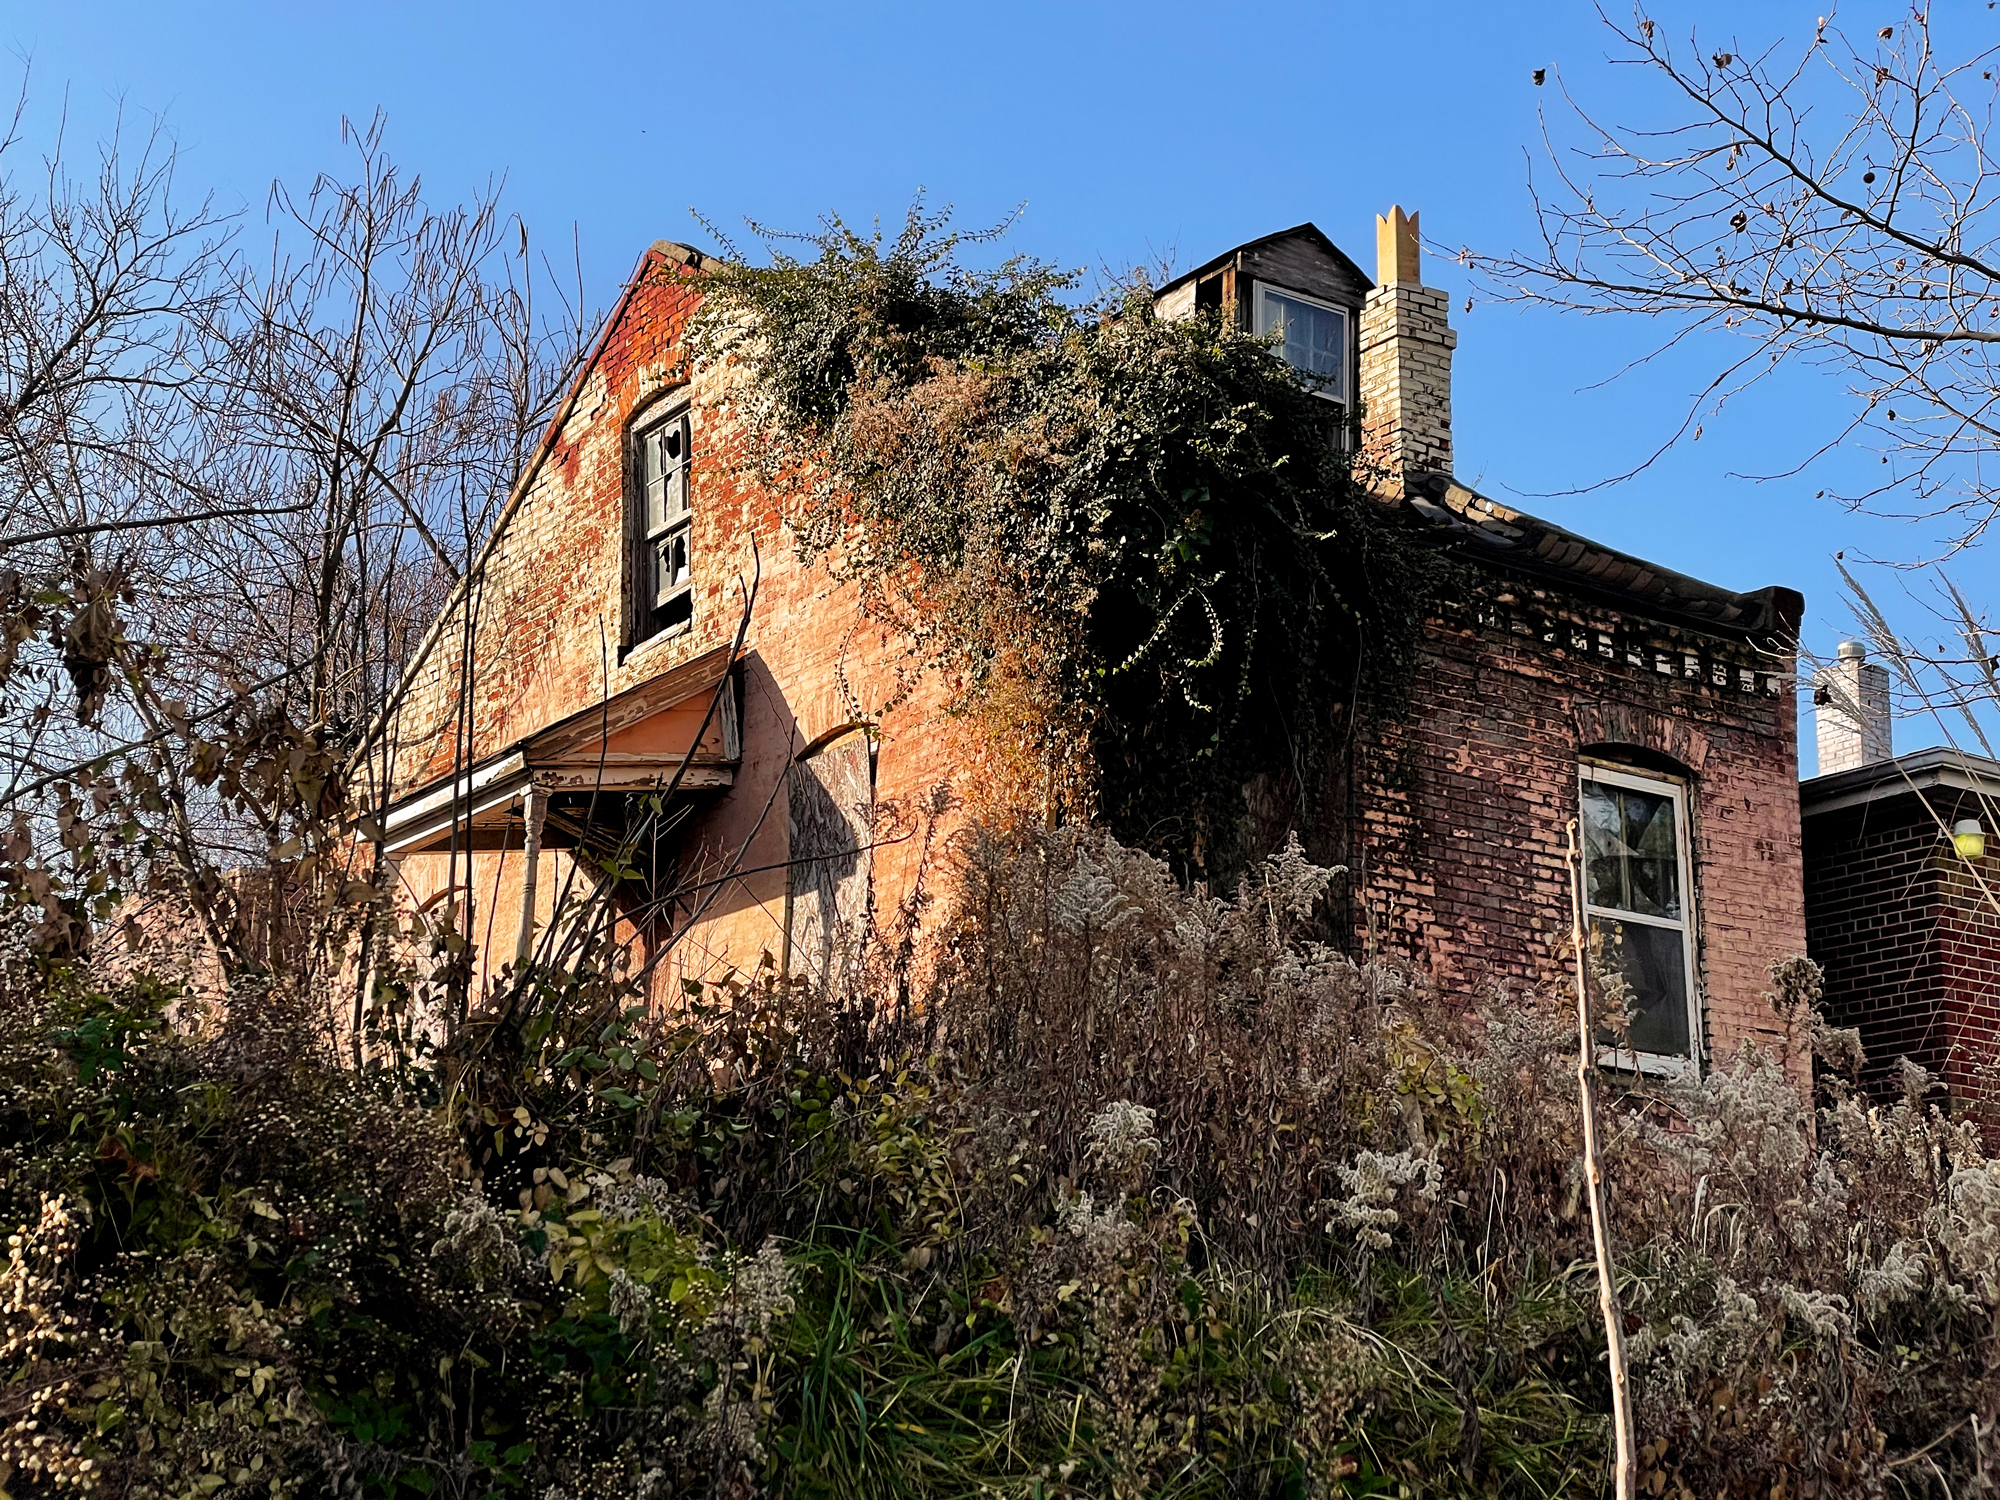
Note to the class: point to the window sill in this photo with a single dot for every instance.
(1649, 1064)
(654, 642)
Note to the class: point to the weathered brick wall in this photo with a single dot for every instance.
(1461, 857)
(1910, 946)
(547, 625)
(1464, 807)
(1405, 343)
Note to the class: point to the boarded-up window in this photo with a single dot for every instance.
(832, 804)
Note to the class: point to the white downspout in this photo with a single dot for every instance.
(536, 806)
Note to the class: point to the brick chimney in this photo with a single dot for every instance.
(1406, 344)
(1851, 710)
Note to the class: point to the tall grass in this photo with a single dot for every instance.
(1150, 1192)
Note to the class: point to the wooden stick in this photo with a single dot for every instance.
(1626, 1474)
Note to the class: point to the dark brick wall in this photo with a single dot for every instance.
(1909, 943)
(1465, 806)
(1969, 955)
(1872, 923)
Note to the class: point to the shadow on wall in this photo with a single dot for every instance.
(799, 826)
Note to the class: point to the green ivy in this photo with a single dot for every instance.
(1137, 542)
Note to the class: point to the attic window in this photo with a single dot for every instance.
(1312, 336)
(662, 559)
(1639, 898)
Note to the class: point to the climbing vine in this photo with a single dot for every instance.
(1133, 544)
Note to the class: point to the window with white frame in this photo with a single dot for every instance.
(1312, 336)
(662, 556)
(1639, 901)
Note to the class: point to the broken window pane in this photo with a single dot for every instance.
(670, 566)
(1603, 861)
(1652, 963)
(1631, 851)
(674, 452)
(1634, 884)
(662, 550)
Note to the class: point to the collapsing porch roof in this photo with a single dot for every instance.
(636, 742)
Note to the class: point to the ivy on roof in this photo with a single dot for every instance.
(1133, 544)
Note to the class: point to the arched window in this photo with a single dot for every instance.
(1639, 895)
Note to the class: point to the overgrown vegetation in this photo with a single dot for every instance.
(1141, 1190)
(1156, 1197)
(1134, 543)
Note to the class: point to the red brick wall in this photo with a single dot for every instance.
(1461, 858)
(1464, 807)
(547, 622)
(1909, 944)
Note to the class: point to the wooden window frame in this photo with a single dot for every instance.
(1344, 396)
(1654, 785)
(655, 612)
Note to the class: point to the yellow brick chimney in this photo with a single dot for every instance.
(1406, 343)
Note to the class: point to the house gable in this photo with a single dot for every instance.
(532, 679)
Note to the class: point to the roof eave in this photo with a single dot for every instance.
(1938, 768)
(1493, 533)
(1309, 229)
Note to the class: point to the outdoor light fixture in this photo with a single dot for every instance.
(1968, 838)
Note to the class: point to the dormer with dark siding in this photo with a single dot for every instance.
(1300, 264)
(1300, 258)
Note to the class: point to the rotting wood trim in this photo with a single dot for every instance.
(588, 727)
(569, 755)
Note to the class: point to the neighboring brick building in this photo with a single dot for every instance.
(1564, 678)
(1899, 913)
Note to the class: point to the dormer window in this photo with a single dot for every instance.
(1312, 336)
(662, 559)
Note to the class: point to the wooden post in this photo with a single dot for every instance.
(534, 807)
(1626, 1474)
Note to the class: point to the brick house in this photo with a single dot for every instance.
(588, 658)
(1900, 910)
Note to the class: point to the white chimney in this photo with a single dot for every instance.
(1851, 710)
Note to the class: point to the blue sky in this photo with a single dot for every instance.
(1130, 133)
